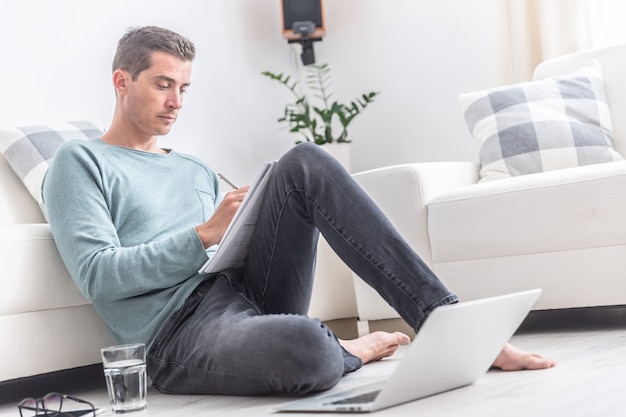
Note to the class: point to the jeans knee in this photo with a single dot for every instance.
(316, 359)
(311, 159)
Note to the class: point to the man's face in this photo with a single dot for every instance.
(154, 99)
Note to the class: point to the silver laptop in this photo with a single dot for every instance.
(456, 346)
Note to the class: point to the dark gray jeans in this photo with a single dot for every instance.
(246, 331)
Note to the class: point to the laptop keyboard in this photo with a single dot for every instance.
(358, 399)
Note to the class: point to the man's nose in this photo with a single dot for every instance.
(175, 100)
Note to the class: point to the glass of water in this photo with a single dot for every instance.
(125, 374)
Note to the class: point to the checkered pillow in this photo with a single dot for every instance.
(541, 125)
(29, 149)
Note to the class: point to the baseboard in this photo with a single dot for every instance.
(66, 381)
(344, 328)
(391, 325)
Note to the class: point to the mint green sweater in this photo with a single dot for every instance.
(124, 222)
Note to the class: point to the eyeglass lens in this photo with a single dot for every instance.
(28, 404)
(53, 401)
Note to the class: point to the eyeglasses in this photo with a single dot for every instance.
(51, 405)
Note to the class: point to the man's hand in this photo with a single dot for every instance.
(212, 231)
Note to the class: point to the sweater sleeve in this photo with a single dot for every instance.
(82, 227)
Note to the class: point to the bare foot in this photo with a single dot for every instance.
(514, 359)
(375, 346)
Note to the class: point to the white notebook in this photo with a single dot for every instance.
(235, 244)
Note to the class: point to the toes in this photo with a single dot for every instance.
(534, 361)
(513, 359)
(375, 346)
(402, 339)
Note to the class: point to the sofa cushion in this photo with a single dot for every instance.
(33, 277)
(28, 149)
(561, 210)
(541, 125)
(16, 204)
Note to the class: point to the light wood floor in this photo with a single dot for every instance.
(589, 380)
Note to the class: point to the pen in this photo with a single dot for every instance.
(228, 180)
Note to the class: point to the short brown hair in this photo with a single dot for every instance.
(138, 43)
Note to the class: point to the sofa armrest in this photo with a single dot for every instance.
(333, 292)
(403, 193)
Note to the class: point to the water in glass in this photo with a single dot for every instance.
(126, 382)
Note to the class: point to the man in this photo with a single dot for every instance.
(135, 222)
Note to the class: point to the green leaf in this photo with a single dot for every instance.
(305, 119)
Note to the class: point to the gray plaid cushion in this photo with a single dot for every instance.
(541, 125)
(28, 149)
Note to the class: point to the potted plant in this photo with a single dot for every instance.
(327, 122)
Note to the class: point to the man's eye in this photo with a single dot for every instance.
(162, 86)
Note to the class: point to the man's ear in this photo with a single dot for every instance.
(121, 80)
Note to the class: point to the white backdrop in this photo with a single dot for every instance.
(420, 54)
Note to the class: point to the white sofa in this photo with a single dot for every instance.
(47, 325)
(561, 230)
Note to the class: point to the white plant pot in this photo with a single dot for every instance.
(341, 152)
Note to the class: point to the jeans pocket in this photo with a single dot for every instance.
(178, 318)
(236, 281)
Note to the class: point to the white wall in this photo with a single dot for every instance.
(419, 53)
